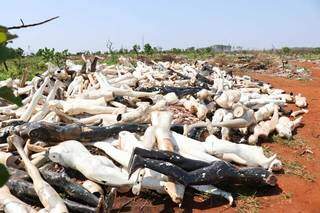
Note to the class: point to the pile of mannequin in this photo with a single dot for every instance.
(87, 131)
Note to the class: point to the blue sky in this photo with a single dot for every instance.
(87, 24)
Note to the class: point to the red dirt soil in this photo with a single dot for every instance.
(294, 193)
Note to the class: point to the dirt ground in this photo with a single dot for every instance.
(298, 186)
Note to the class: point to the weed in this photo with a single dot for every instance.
(292, 143)
(297, 169)
(267, 151)
(248, 204)
(34, 65)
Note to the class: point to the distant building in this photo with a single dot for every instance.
(221, 48)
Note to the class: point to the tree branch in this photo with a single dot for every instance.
(30, 25)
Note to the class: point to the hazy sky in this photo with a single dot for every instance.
(87, 24)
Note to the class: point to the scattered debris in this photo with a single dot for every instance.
(147, 123)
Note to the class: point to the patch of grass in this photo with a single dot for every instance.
(34, 65)
(304, 79)
(292, 143)
(267, 151)
(111, 60)
(248, 204)
(310, 56)
(297, 169)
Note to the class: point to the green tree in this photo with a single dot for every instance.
(50, 55)
(176, 50)
(208, 49)
(286, 50)
(316, 50)
(6, 92)
(5, 36)
(136, 49)
(7, 53)
(190, 49)
(148, 49)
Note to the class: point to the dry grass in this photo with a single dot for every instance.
(248, 204)
(267, 151)
(291, 143)
(297, 169)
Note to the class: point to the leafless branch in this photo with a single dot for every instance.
(30, 25)
(109, 46)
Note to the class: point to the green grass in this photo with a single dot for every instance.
(34, 65)
(267, 151)
(310, 56)
(295, 142)
(297, 169)
(246, 204)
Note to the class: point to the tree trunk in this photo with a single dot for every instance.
(5, 66)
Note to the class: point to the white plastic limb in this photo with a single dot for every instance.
(264, 128)
(123, 158)
(264, 101)
(105, 85)
(251, 155)
(45, 109)
(103, 81)
(194, 106)
(51, 117)
(128, 141)
(79, 106)
(300, 101)
(218, 117)
(128, 82)
(8, 159)
(36, 97)
(146, 178)
(161, 121)
(8, 109)
(246, 120)
(149, 138)
(137, 113)
(285, 126)
(93, 187)
(49, 198)
(299, 112)
(24, 90)
(131, 93)
(118, 155)
(228, 98)
(99, 169)
(6, 83)
(75, 86)
(225, 130)
(72, 66)
(212, 190)
(191, 148)
(95, 94)
(264, 112)
(107, 119)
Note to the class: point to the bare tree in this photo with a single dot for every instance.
(109, 46)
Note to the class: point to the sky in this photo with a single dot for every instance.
(88, 24)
